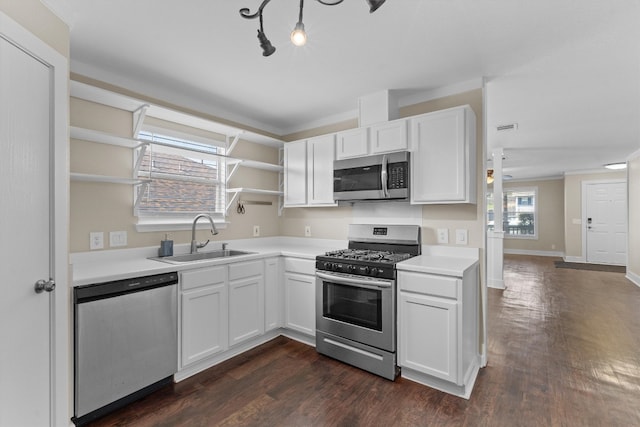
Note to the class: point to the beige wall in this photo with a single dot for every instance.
(109, 207)
(550, 220)
(573, 208)
(39, 20)
(332, 222)
(633, 183)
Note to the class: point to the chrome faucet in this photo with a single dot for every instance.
(194, 244)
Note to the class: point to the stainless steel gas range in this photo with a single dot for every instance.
(356, 296)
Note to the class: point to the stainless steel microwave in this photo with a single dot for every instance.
(377, 177)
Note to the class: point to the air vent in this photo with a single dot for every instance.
(512, 126)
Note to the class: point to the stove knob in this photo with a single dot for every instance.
(351, 268)
(375, 271)
(326, 266)
(364, 270)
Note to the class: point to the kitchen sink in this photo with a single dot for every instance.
(201, 256)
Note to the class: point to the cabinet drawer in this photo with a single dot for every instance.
(302, 266)
(245, 269)
(203, 276)
(428, 284)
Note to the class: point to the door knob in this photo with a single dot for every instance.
(45, 285)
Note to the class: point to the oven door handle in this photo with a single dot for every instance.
(366, 283)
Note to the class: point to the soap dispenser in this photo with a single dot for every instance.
(166, 247)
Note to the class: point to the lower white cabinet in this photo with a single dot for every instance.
(246, 301)
(300, 303)
(300, 295)
(204, 306)
(428, 335)
(272, 294)
(438, 320)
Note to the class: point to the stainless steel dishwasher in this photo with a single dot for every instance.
(126, 342)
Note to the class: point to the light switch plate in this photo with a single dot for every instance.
(96, 240)
(443, 235)
(307, 231)
(117, 238)
(461, 237)
(256, 231)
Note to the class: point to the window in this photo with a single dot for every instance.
(519, 212)
(187, 176)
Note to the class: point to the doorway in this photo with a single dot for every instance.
(604, 222)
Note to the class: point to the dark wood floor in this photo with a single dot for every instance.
(564, 350)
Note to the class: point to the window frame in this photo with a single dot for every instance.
(536, 222)
(177, 223)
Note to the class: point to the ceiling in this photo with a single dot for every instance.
(567, 71)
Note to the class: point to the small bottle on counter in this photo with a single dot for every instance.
(166, 247)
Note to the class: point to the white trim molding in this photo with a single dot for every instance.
(633, 277)
(556, 254)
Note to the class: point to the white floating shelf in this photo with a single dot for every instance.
(106, 179)
(105, 138)
(254, 191)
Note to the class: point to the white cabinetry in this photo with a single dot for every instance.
(295, 174)
(352, 143)
(204, 313)
(438, 329)
(388, 136)
(246, 301)
(299, 289)
(444, 157)
(380, 138)
(272, 294)
(308, 173)
(320, 157)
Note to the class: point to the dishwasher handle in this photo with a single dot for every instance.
(88, 293)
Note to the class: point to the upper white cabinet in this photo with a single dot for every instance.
(443, 163)
(295, 174)
(388, 136)
(321, 153)
(308, 172)
(352, 143)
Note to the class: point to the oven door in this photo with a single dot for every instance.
(358, 308)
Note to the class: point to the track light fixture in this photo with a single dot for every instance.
(298, 35)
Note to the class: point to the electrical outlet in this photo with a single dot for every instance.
(443, 235)
(256, 231)
(96, 240)
(117, 238)
(461, 237)
(307, 231)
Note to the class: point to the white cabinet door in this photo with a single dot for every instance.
(352, 143)
(246, 309)
(389, 136)
(295, 173)
(204, 322)
(272, 294)
(320, 156)
(300, 306)
(429, 335)
(443, 162)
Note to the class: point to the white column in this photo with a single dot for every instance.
(495, 238)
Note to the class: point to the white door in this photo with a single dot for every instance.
(33, 168)
(606, 223)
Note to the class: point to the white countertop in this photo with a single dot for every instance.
(104, 266)
(444, 265)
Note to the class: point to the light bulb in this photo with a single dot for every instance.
(298, 36)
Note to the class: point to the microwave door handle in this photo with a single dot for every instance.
(384, 177)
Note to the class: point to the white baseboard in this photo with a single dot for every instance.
(556, 254)
(575, 259)
(496, 284)
(635, 278)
